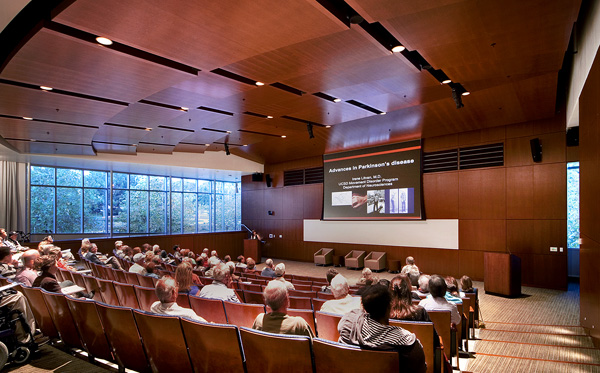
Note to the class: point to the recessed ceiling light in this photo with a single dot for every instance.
(337, 100)
(259, 84)
(45, 88)
(147, 129)
(283, 136)
(104, 41)
(32, 140)
(228, 131)
(269, 117)
(327, 126)
(398, 48)
(207, 144)
(383, 113)
(245, 145)
(27, 118)
(466, 93)
(185, 108)
(133, 144)
(447, 81)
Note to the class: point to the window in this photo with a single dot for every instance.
(573, 205)
(75, 201)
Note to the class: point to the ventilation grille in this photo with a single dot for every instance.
(303, 176)
(491, 155)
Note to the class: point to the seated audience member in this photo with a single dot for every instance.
(278, 321)
(453, 289)
(47, 241)
(411, 270)
(27, 274)
(219, 288)
(385, 282)
(177, 251)
(269, 270)
(151, 270)
(7, 264)
(98, 258)
(466, 284)
(184, 278)
(166, 292)
(367, 279)
(241, 262)
(251, 266)
(47, 278)
(138, 264)
(369, 328)
(423, 289)
(4, 239)
(343, 302)
(402, 306)
(119, 249)
(279, 276)
(436, 301)
(214, 259)
(331, 273)
(60, 261)
(12, 241)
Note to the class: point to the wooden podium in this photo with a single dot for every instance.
(252, 249)
(502, 274)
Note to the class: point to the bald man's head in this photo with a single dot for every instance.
(29, 258)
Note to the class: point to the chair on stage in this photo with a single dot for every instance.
(327, 324)
(242, 314)
(122, 333)
(212, 310)
(376, 260)
(90, 328)
(355, 259)
(333, 357)
(324, 257)
(221, 341)
(145, 296)
(267, 352)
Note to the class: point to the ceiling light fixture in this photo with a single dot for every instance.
(383, 113)
(183, 108)
(245, 145)
(466, 93)
(104, 41)
(228, 131)
(283, 136)
(27, 118)
(207, 144)
(147, 129)
(398, 48)
(447, 81)
(337, 100)
(45, 88)
(260, 84)
(328, 126)
(269, 117)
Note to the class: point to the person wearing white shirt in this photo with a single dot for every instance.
(167, 292)
(436, 301)
(343, 302)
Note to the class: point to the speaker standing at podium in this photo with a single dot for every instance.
(255, 236)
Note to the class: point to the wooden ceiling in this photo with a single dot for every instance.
(124, 99)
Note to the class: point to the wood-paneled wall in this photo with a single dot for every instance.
(589, 167)
(520, 207)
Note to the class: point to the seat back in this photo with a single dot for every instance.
(425, 334)
(211, 310)
(63, 320)
(90, 327)
(145, 296)
(255, 297)
(78, 279)
(109, 295)
(158, 331)
(318, 303)
(303, 287)
(333, 357)
(132, 278)
(302, 293)
(327, 325)
(122, 333)
(126, 295)
(307, 315)
(301, 303)
(183, 300)
(327, 296)
(92, 285)
(222, 341)
(43, 320)
(251, 287)
(297, 281)
(120, 275)
(145, 281)
(441, 321)
(266, 352)
(242, 314)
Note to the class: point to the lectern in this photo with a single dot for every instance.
(252, 249)
(502, 274)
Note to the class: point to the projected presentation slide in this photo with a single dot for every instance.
(381, 183)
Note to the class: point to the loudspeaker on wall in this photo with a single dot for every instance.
(536, 149)
(257, 177)
(268, 180)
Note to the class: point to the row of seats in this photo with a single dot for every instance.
(355, 259)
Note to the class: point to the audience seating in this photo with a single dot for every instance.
(425, 332)
(215, 346)
(333, 357)
(267, 352)
(63, 319)
(145, 296)
(107, 289)
(303, 287)
(326, 296)
(327, 325)
(132, 278)
(166, 351)
(441, 321)
(251, 287)
(355, 259)
(301, 303)
(183, 300)
(92, 285)
(376, 260)
(78, 279)
(145, 281)
(324, 257)
(255, 297)
(90, 328)
(126, 295)
(318, 303)
(40, 311)
(242, 314)
(307, 314)
(302, 293)
(212, 310)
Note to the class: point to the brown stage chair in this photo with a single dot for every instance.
(109, 295)
(327, 325)
(211, 310)
(300, 303)
(92, 284)
(145, 281)
(221, 341)
(90, 328)
(126, 295)
(158, 332)
(183, 300)
(132, 278)
(43, 320)
(255, 297)
(376, 260)
(425, 334)
(324, 257)
(355, 259)
(122, 333)
(307, 315)
(333, 357)
(120, 276)
(145, 296)
(63, 320)
(242, 314)
(267, 352)
(318, 303)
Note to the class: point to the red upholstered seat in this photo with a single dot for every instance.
(327, 325)
(126, 295)
(301, 303)
(40, 311)
(120, 276)
(211, 310)
(63, 320)
(333, 357)
(145, 281)
(255, 297)
(132, 278)
(145, 296)
(90, 327)
(307, 315)
(242, 314)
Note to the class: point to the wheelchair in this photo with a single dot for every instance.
(11, 350)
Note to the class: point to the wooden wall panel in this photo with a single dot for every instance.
(486, 135)
(519, 237)
(550, 270)
(482, 235)
(252, 204)
(313, 201)
(536, 236)
(550, 196)
(440, 193)
(292, 203)
(589, 291)
(470, 263)
(433, 144)
(482, 194)
(273, 202)
(519, 192)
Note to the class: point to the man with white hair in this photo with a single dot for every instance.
(119, 249)
(269, 270)
(423, 289)
(343, 302)
(279, 272)
(219, 289)
(167, 292)
(278, 321)
(214, 259)
(137, 267)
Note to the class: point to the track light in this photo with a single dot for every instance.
(309, 128)
(456, 96)
(227, 149)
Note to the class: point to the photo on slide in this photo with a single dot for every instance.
(398, 201)
(375, 201)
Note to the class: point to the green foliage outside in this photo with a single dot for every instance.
(573, 205)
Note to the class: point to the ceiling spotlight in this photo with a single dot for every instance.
(104, 41)
(32, 140)
(228, 131)
(227, 149)
(337, 100)
(398, 48)
(183, 108)
(245, 145)
(45, 88)
(447, 81)
(355, 19)
(269, 117)
(309, 128)
(457, 99)
(328, 126)
(27, 118)
(383, 113)
(260, 84)
(207, 144)
(283, 136)
(466, 93)
(147, 129)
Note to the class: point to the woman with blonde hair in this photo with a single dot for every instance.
(184, 278)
